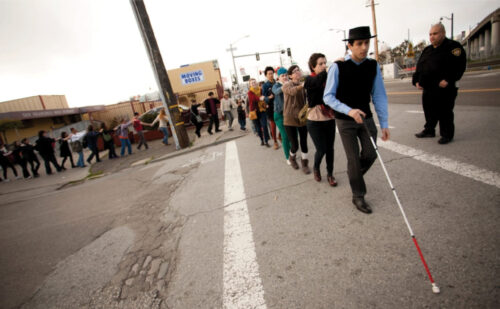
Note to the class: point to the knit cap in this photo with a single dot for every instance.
(281, 71)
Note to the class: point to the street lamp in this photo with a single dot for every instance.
(231, 49)
(341, 30)
(441, 18)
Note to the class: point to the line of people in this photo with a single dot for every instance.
(315, 105)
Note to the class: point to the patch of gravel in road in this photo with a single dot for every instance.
(146, 269)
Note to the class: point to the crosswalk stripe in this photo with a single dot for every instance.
(242, 283)
(460, 168)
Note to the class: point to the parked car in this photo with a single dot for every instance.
(184, 110)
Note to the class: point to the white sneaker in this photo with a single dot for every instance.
(288, 162)
(19, 177)
(6, 180)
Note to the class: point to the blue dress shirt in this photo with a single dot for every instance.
(379, 97)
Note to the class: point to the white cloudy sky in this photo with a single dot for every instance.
(91, 50)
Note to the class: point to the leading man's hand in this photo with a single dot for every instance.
(443, 84)
(419, 87)
(356, 115)
(385, 134)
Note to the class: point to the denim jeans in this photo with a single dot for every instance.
(80, 162)
(125, 142)
(165, 134)
(261, 126)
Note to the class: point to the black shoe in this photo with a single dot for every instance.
(444, 140)
(217, 131)
(262, 143)
(361, 205)
(425, 134)
(210, 133)
(267, 145)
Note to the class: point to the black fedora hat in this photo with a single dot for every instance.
(360, 33)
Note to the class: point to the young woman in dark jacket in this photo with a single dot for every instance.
(64, 151)
(320, 118)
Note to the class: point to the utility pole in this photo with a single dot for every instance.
(235, 82)
(372, 4)
(451, 19)
(165, 88)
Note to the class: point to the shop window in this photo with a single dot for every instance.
(28, 123)
(75, 118)
(58, 120)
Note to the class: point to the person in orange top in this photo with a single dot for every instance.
(256, 103)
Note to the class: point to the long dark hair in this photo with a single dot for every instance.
(313, 60)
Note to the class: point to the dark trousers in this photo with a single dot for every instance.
(294, 133)
(70, 160)
(142, 140)
(95, 152)
(242, 122)
(323, 135)
(5, 164)
(198, 126)
(24, 166)
(34, 168)
(50, 158)
(214, 119)
(110, 145)
(358, 162)
(261, 126)
(438, 106)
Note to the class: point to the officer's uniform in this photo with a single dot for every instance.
(445, 62)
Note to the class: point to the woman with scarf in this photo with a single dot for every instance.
(320, 118)
(258, 106)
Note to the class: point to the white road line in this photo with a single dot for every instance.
(242, 283)
(415, 112)
(463, 169)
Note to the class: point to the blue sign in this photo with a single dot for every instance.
(192, 77)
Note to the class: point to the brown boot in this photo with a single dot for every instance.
(305, 168)
(331, 180)
(317, 175)
(276, 146)
(293, 162)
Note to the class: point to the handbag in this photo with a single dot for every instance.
(252, 115)
(303, 114)
(197, 117)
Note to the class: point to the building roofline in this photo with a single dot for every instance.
(37, 114)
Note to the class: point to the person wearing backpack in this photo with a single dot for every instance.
(109, 143)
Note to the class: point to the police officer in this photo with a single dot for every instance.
(440, 66)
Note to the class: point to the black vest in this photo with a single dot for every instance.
(355, 85)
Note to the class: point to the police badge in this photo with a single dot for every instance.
(456, 52)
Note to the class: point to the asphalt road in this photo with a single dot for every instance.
(479, 88)
(160, 235)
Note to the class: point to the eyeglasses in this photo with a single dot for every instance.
(295, 71)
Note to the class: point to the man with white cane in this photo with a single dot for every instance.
(350, 87)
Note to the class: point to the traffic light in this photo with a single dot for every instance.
(289, 52)
(257, 56)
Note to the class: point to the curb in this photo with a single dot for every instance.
(193, 148)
